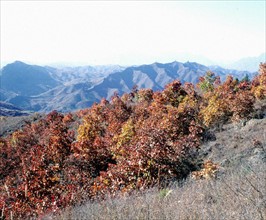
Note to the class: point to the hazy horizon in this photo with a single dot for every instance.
(131, 32)
(62, 64)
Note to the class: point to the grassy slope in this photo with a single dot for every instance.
(238, 192)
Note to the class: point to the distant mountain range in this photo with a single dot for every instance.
(44, 88)
(250, 64)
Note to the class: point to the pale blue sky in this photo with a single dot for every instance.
(131, 32)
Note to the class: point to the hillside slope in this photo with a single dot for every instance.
(7, 109)
(26, 80)
(238, 192)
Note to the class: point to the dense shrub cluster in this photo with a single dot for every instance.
(136, 141)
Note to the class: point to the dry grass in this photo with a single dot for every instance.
(10, 124)
(240, 194)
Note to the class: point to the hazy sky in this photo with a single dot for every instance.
(131, 32)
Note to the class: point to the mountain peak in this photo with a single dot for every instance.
(24, 79)
(19, 62)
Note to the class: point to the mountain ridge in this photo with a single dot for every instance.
(72, 88)
(248, 63)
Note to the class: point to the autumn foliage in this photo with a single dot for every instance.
(132, 142)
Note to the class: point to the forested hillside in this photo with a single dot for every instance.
(141, 139)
